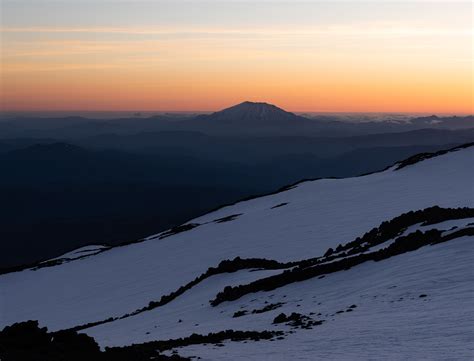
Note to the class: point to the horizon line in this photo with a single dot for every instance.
(177, 111)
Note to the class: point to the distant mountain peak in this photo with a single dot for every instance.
(248, 103)
(260, 112)
(256, 106)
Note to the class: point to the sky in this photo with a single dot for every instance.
(335, 56)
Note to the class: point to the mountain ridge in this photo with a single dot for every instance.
(246, 118)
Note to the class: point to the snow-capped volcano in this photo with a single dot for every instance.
(370, 267)
(252, 118)
(249, 112)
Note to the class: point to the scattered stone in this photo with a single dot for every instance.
(239, 313)
(280, 318)
(269, 307)
(227, 218)
(279, 205)
(297, 320)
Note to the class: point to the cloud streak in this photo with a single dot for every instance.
(379, 30)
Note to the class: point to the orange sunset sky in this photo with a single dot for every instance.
(383, 56)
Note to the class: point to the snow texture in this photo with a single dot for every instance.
(391, 320)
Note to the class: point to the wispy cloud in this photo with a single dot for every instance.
(375, 29)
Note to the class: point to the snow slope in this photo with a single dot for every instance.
(318, 215)
(391, 321)
(78, 253)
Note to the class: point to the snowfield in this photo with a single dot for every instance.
(389, 321)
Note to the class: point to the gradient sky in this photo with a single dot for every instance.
(403, 56)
